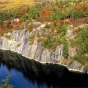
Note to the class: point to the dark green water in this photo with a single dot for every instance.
(27, 73)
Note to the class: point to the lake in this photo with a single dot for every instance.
(27, 73)
(17, 79)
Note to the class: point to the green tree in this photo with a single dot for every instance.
(80, 58)
(7, 23)
(82, 40)
(47, 42)
(1, 21)
(6, 83)
(82, 45)
(65, 50)
(64, 27)
(25, 17)
(59, 28)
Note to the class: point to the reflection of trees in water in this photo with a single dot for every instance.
(50, 74)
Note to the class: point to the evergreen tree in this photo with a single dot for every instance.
(6, 83)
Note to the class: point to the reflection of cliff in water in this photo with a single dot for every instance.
(51, 74)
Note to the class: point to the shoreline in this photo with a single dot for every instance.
(75, 70)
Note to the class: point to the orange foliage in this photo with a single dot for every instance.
(24, 11)
(80, 7)
(15, 23)
(55, 23)
(10, 26)
(62, 8)
(45, 13)
(20, 22)
(2, 28)
(66, 21)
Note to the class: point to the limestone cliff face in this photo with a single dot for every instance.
(18, 41)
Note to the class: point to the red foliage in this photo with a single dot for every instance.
(62, 22)
(24, 11)
(2, 27)
(66, 21)
(45, 12)
(20, 22)
(3, 31)
(62, 8)
(80, 7)
(15, 23)
(55, 23)
(10, 26)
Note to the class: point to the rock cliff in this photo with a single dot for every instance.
(19, 41)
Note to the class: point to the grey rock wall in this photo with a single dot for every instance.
(19, 42)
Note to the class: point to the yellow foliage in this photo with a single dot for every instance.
(86, 54)
(13, 4)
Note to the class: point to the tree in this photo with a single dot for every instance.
(65, 50)
(80, 58)
(1, 21)
(64, 27)
(25, 17)
(82, 40)
(59, 28)
(6, 83)
(7, 23)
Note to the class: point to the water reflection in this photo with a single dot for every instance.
(53, 76)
